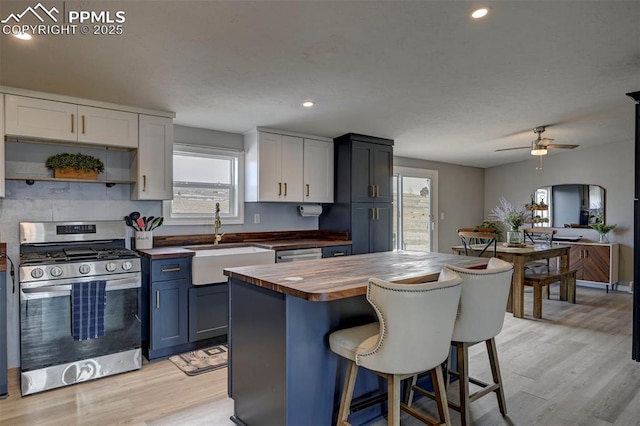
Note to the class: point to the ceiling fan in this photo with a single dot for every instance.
(540, 146)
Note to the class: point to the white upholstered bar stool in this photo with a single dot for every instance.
(412, 335)
(480, 318)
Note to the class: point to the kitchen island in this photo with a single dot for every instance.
(281, 370)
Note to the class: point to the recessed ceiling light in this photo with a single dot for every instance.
(308, 104)
(480, 13)
(22, 36)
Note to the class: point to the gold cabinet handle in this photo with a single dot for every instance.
(372, 191)
(307, 190)
(373, 213)
(83, 124)
(377, 213)
(73, 119)
(279, 188)
(285, 189)
(157, 299)
(175, 269)
(377, 191)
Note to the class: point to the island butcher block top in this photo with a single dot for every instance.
(338, 278)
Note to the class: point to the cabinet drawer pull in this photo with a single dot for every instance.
(338, 253)
(372, 191)
(307, 190)
(279, 188)
(377, 191)
(285, 189)
(83, 124)
(174, 269)
(73, 119)
(144, 183)
(157, 299)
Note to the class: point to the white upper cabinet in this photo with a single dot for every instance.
(1, 146)
(152, 168)
(287, 167)
(273, 167)
(40, 118)
(318, 171)
(46, 119)
(107, 127)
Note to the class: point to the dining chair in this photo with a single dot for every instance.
(477, 242)
(539, 235)
(412, 335)
(480, 318)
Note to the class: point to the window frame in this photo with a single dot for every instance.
(237, 184)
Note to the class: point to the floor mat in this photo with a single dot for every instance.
(201, 360)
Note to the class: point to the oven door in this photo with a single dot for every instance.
(45, 321)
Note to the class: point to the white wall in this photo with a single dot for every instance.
(460, 197)
(610, 166)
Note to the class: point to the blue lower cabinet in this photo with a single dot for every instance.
(177, 316)
(208, 311)
(336, 251)
(169, 313)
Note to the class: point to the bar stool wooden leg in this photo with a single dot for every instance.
(497, 377)
(347, 394)
(463, 379)
(393, 399)
(437, 378)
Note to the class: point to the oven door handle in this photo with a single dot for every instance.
(65, 289)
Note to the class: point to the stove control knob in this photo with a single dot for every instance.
(85, 269)
(37, 273)
(56, 271)
(127, 265)
(110, 267)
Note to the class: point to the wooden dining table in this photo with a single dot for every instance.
(519, 256)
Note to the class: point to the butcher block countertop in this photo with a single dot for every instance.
(341, 277)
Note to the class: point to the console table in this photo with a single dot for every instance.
(596, 263)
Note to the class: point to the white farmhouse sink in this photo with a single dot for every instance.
(208, 264)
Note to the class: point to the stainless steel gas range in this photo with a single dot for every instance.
(79, 303)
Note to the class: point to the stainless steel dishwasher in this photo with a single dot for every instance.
(298, 255)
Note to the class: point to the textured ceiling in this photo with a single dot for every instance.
(446, 88)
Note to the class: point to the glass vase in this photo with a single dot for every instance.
(514, 237)
(603, 238)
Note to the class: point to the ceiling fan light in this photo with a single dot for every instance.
(539, 151)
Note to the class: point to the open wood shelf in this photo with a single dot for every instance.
(30, 180)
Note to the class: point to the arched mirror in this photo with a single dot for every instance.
(570, 205)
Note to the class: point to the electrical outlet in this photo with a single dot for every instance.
(256, 218)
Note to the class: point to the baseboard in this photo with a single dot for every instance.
(620, 286)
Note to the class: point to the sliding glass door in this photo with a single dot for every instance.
(414, 209)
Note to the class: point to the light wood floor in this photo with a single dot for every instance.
(573, 367)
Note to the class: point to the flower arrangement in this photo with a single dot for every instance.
(510, 215)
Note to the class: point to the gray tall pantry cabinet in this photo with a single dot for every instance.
(363, 192)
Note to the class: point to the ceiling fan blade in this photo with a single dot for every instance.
(555, 146)
(543, 142)
(510, 149)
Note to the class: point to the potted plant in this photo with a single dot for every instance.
(602, 228)
(75, 166)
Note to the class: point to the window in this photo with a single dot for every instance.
(202, 177)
